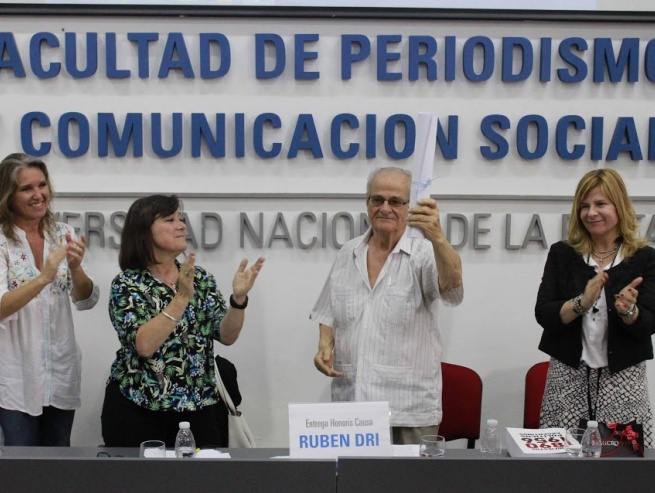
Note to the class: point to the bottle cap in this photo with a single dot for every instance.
(492, 422)
(592, 424)
(184, 425)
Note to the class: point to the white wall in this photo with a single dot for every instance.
(493, 331)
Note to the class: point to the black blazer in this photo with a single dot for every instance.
(565, 276)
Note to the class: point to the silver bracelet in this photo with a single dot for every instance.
(577, 306)
(169, 317)
(629, 313)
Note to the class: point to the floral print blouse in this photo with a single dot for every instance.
(180, 375)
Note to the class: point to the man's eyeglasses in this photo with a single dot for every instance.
(394, 202)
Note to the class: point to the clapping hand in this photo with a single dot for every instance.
(75, 249)
(627, 297)
(593, 289)
(49, 269)
(185, 279)
(244, 279)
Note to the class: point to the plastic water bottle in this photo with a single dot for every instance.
(185, 444)
(491, 442)
(592, 443)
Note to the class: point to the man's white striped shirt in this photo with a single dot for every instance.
(387, 341)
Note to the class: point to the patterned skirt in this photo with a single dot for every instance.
(621, 397)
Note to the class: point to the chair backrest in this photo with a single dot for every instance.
(535, 384)
(461, 398)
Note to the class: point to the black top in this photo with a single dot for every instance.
(565, 276)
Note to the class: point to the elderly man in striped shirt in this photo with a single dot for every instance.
(377, 313)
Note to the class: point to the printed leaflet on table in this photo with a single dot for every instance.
(525, 441)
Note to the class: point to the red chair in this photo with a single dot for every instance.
(535, 384)
(461, 398)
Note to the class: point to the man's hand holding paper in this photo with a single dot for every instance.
(425, 216)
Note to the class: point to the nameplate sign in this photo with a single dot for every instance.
(334, 429)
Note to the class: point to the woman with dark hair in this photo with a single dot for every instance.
(596, 304)
(40, 271)
(167, 316)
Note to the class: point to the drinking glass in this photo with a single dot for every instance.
(573, 445)
(432, 446)
(152, 449)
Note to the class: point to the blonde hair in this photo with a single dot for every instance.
(611, 185)
(9, 169)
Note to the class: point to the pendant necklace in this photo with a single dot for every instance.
(171, 285)
(606, 254)
(594, 308)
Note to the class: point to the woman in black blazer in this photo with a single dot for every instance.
(596, 304)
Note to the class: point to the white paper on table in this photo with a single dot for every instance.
(426, 141)
(201, 454)
(211, 454)
(396, 451)
(410, 450)
(153, 453)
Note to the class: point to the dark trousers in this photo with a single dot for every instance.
(51, 429)
(124, 424)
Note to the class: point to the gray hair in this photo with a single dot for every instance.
(390, 169)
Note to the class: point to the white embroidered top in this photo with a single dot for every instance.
(40, 361)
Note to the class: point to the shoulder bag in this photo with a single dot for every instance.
(239, 434)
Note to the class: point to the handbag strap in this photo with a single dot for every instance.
(592, 410)
(225, 397)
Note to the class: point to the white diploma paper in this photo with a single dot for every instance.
(426, 142)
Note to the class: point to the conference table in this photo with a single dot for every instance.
(89, 469)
